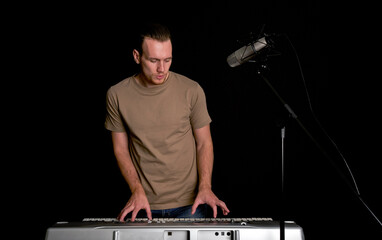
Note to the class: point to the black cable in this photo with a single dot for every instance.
(327, 135)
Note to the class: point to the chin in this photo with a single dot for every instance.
(159, 82)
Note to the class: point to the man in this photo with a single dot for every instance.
(161, 135)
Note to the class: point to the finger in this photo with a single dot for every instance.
(123, 214)
(215, 211)
(223, 207)
(134, 215)
(148, 211)
(194, 207)
(225, 212)
(119, 216)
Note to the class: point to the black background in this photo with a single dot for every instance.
(63, 58)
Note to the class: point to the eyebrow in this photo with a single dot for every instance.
(159, 59)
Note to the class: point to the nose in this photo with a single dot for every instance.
(160, 66)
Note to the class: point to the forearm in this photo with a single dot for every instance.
(125, 163)
(128, 171)
(205, 160)
(138, 199)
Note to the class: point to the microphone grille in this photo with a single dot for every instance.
(245, 53)
(232, 60)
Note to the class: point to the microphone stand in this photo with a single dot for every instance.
(282, 223)
(294, 116)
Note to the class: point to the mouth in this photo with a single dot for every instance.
(160, 77)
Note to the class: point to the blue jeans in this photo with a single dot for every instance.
(180, 212)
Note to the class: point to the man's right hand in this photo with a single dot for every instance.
(137, 201)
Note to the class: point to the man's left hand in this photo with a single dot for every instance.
(207, 196)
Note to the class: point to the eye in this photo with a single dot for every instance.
(153, 60)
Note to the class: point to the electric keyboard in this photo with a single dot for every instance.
(174, 229)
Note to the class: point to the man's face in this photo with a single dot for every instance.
(155, 61)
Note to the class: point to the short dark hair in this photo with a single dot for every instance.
(155, 31)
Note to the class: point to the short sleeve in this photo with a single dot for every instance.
(113, 120)
(199, 116)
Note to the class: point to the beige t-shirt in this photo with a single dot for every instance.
(160, 122)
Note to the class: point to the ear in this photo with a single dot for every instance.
(137, 56)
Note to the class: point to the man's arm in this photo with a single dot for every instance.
(205, 158)
(138, 199)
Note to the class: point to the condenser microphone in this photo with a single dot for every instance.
(247, 52)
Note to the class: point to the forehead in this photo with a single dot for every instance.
(157, 49)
